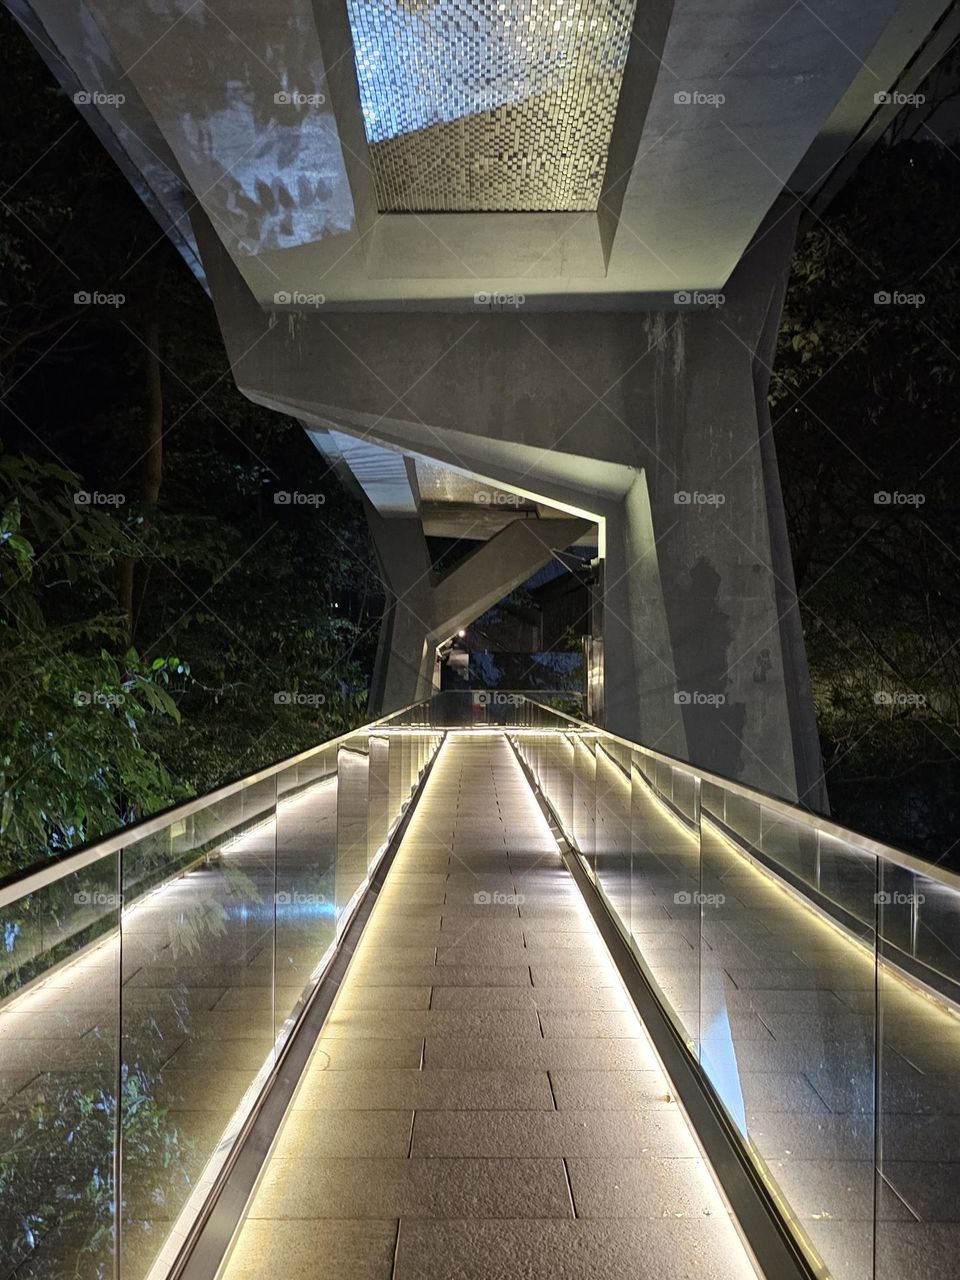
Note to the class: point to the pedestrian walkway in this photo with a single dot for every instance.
(483, 1101)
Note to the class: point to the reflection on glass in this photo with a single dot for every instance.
(918, 1215)
(378, 796)
(584, 796)
(761, 931)
(664, 884)
(352, 795)
(788, 1018)
(811, 979)
(612, 832)
(146, 996)
(197, 1008)
(563, 767)
(306, 868)
(58, 1075)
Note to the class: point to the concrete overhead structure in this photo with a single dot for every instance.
(576, 312)
(425, 608)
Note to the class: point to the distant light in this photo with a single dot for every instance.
(461, 633)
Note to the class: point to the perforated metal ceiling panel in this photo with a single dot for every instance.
(489, 105)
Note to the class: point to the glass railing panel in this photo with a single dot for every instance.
(139, 1006)
(306, 914)
(792, 847)
(59, 1031)
(553, 773)
(352, 804)
(461, 708)
(197, 1024)
(406, 764)
(453, 708)
(563, 775)
(395, 767)
(44, 928)
(741, 814)
(216, 822)
(379, 795)
(788, 1028)
(651, 770)
(664, 883)
(845, 884)
(22, 953)
(612, 834)
(685, 794)
(584, 795)
(918, 1147)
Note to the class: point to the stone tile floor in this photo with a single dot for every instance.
(483, 1102)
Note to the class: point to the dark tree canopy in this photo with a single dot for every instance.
(864, 399)
(145, 633)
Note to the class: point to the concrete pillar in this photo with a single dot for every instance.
(425, 608)
(652, 424)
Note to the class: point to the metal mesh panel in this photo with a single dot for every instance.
(489, 105)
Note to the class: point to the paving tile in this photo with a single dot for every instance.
(397, 935)
(59, 1054)
(591, 999)
(353, 997)
(580, 975)
(586, 1023)
(832, 1189)
(419, 1188)
(215, 1054)
(464, 950)
(440, 1022)
(343, 1053)
(11, 1082)
(201, 1089)
(222, 976)
(678, 1249)
(330, 1250)
(917, 1250)
(560, 1133)
(503, 1053)
(649, 1186)
(928, 1186)
(468, 975)
(384, 955)
(322, 1134)
(492, 915)
(832, 1137)
(773, 1091)
(55, 1024)
(612, 1090)
(375, 1090)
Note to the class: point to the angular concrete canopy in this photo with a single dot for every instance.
(602, 371)
(257, 111)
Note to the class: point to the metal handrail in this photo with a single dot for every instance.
(20, 883)
(795, 813)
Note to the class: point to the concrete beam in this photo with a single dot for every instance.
(653, 426)
(423, 609)
(498, 567)
(381, 473)
(754, 87)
